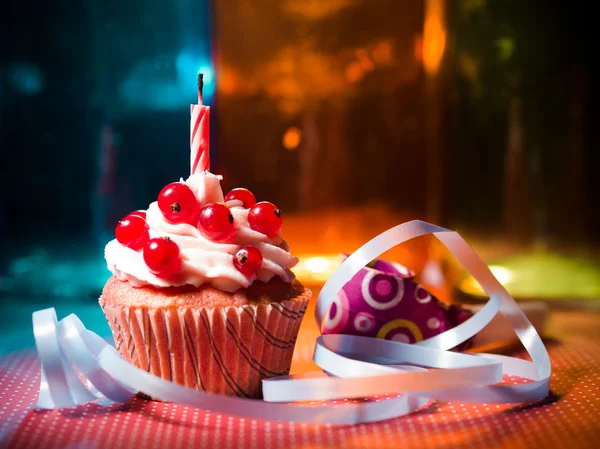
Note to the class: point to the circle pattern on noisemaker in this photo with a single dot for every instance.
(382, 301)
(381, 291)
(394, 328)
(364, 322)
(338, 314)
(422, 295)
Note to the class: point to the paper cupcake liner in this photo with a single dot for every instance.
(226, 350)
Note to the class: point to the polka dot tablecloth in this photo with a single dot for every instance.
(569, 418)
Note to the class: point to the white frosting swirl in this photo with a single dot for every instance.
(203, 261)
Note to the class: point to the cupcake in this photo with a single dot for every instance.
(202, 292)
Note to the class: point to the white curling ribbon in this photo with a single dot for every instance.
(353, 366)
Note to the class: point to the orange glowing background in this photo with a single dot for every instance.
(434, 36)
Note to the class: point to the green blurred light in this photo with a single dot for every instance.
(506, 47)
(543, 276)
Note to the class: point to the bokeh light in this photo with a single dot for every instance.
(291, 138)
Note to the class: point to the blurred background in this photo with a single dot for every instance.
(350, 115)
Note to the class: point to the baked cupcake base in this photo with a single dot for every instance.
(205, 338)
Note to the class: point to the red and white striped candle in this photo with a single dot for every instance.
(199, 134)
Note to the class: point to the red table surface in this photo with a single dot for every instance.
(568, 418)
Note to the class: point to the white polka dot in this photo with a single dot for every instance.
(433, 323)
(401, 338)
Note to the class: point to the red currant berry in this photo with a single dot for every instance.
(243, 195)
(140, 213)
(162, 257)
(216, 222)
(265, 218)
(178, 203)
(248, 260)
(132, 231)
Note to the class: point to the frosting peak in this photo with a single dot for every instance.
(202, 260)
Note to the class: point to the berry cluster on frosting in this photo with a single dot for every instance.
(179, 205)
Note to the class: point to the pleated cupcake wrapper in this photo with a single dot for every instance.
(226, 350)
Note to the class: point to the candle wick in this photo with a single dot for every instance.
(200, 86)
